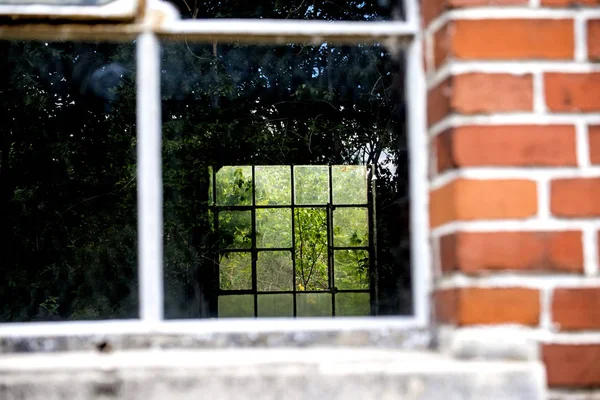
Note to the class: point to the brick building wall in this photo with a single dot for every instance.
(514, 135)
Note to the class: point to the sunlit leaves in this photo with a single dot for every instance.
(234, 186)
(235, 271)
(311, 249)
(274, 271)
(351, 227)
(351, 269)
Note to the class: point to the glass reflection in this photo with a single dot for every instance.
(273, 185)
(288, 138)
(349, 184)
(311, 185)
(352, 304)
(314, 305)
(67, 181)
(275, 305)
(273, 227)
(274, 271)
(329, 10)
(351, 227)
(236, 306)
(235, 271)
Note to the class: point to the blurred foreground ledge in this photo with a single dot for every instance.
(239, 374)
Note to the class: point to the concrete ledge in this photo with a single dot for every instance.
(378, 332)
(488, 343)
(265, 374)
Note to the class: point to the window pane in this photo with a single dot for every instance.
(235, 229)
(351, 227)
(67, 181)
(311, 249)
(351, 269)
(330, 10)
(273, 227)
(311, 185)
(235, 270)
(306, 109)
(236, 306)
(349, 184)
(275, 305)
(273, 185)
(274, 270)
(234, 186)
(314, 305)
(352, 304)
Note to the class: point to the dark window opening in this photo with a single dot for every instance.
(68, 182)
(328, 10)
(251, 113)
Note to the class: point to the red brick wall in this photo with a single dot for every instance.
(514, 133)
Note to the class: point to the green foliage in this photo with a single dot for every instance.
(352, 304)
(351, 269)
(314, 305)
(234, 186)
(274, 271)
(273, 229)
(235, 271)
(67, 184)
(235, 229)
(275, 305)
(273, 185)
(311, 249)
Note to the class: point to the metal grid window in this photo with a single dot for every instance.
(149, 22)
(271, 264)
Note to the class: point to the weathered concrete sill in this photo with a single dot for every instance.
(264, 374)
(399, 339)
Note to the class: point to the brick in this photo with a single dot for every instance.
(593, 39)
(434, 8)
(438, 102)
(506, 145)
(594, 143)
(480, 93)
(471, 199)
(572, 365)
(442, 45)
(446, 305)
(521, 39)
(486, 306)
(476, 3)
(444, 151)
(449, 252)
(570, 3)
(475, 93)
(577, 197)
(430, 9)
(572, 92)
(442, 207)
(477, 252)
(576, 308)
(426, 65)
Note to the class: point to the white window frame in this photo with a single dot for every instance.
(118, 10)
(158, 20)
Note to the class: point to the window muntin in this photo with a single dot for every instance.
(96, 10)
(160, 22)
